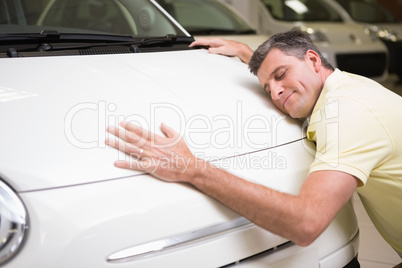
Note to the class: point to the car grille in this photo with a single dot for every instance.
(99, 51)
(366, 64)
(123, 50)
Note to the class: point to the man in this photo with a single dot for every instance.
(364, 154)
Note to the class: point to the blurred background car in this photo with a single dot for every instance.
(212, 18)
(343, 43)
(379, 22)
(69, 69)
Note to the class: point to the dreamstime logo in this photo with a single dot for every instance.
(85, 126)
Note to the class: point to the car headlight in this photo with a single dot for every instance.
(384, 34)
(13, 223)
(315, 35)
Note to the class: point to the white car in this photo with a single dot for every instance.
(62, 201)
(212, 18)
(344, 44)
(378, 22)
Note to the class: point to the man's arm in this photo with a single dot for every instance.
(300, 218)
(225, 47)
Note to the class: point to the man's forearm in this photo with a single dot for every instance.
(244, 54)
(274, 211)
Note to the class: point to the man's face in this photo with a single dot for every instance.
(293, 84)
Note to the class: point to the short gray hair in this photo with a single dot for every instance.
(293, 43)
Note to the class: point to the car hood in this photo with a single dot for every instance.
(55, 111)
(252, 40)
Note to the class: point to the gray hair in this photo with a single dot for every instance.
(292, 43)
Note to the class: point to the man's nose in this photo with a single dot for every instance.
(276, 92)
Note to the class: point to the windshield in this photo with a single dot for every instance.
(108, 17)
(367, 11)
(205, 17)
(301, 10)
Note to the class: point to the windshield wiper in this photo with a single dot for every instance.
(52, 41)
(166, 40)
(54, 36)
(217, 31)
(135, 43)
(49, 35)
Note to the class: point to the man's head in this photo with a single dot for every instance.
(292, 43)
(292, 70)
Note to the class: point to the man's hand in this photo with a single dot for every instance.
(167, 158)
(225, 47)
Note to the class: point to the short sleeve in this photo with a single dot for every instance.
(349, 137)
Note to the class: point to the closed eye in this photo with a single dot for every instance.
(280, 76)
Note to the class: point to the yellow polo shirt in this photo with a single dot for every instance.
(357, 127)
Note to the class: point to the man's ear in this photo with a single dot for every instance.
(314, 58)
